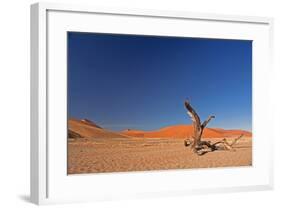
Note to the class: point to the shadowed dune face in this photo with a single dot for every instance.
(71, 134)
(87, 129)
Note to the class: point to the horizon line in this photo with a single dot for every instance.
(139, 129)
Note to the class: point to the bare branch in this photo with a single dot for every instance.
(226, 144)
(196, 123)
(192, 113)
(236, 140)
(207, 121)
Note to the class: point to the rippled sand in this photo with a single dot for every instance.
(89, 155)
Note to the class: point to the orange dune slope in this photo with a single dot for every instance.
(87, 129)
(184, 131)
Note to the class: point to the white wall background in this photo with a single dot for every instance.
(14, 102)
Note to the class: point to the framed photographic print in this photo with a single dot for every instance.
(135, 103)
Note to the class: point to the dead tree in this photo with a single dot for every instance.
(198, 128)
(197, 145)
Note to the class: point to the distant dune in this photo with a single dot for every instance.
(88, 129)
(183, 131)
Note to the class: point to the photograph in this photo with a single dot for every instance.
(146, 102)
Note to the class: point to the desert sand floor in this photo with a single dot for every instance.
(142, 154)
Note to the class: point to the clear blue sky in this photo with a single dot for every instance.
(141, 82)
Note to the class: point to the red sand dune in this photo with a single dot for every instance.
(88, 129)
(184, 131)
(232, 132)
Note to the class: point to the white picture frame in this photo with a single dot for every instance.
(49, 180)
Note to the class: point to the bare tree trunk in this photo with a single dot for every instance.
(197, 126)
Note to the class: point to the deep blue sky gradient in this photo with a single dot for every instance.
(141, 82)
